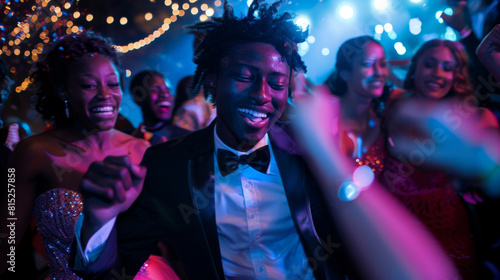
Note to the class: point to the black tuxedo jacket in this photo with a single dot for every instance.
(177, 203)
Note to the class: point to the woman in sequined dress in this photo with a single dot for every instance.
(78, 85)
(438, 72)
(359, 81)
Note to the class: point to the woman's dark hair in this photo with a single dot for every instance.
(345, 55)
(50, 72)
(262, 24)
(461, 86)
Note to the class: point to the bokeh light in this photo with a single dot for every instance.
(400, 49)
(415, 26)
(388, 27)
(380, 4)
(346, 12)
(303, 22)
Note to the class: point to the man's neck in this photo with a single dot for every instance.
(243, 148)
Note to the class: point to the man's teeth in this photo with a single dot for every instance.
(103, 109)
(164, 104)
(253, 113)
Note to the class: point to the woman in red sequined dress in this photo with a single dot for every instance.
(359, 81)
(438, 71)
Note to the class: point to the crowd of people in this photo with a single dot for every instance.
(249, 170)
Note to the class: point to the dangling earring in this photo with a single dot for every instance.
(66, 108)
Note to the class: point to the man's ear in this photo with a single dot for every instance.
(210, 84)
(345, 75)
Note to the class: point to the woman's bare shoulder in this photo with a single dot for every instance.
(38, 143)
(31, 155)
(123, 138)
(136, 147)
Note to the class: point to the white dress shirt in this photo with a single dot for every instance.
(257, 235)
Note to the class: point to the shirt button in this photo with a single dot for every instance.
(252, 216)
(261, 269)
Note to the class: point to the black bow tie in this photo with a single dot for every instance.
(258, 160)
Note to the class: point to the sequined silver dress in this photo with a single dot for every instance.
(56, 212)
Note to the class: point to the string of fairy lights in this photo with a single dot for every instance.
(50, 19)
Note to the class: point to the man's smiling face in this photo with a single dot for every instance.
(251, 90)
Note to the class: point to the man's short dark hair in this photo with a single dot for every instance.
(139, 85)
(262, 24)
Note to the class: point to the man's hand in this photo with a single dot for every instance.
(109, 188)
(456, 20)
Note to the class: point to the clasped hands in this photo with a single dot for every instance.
(109, 187)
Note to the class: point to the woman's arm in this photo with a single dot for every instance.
(461, 142)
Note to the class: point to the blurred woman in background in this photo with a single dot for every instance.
(438, 73)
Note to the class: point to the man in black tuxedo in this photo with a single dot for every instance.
(235, 199)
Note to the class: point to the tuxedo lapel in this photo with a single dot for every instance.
(292, 176)
(201, 182)
(300, 192)
(291, 170)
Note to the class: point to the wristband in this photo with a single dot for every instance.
(362, 178)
